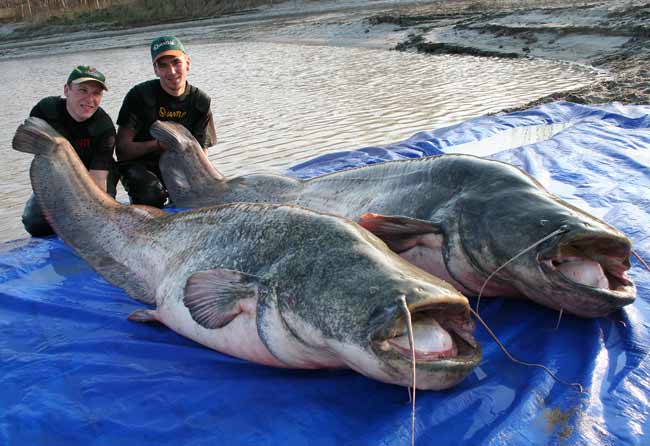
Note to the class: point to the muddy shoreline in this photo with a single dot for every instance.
(612, 36)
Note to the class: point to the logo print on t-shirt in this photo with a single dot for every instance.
(83, 143)
(163, 113)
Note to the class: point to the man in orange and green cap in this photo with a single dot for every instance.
(78, 117)
(168, 98)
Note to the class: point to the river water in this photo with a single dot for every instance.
(278, 103)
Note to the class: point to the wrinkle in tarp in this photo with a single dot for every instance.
(75, 371)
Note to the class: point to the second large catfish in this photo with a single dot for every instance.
(458, 217)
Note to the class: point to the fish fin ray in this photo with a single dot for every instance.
(173, 163)
(36, 136)
(170, 132)
(144, 316)
(212, 296)
(188, 173)
(397, 224)
(396, 231)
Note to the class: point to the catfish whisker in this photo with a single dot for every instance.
(560, 230)
(527, 364)
(559, 318)
(409, 328)
(641, 260)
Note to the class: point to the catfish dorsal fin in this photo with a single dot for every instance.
(214, 296)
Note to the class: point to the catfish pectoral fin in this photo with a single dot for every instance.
(144, 316)
(214, 297)
(397, 225)
(399, 233)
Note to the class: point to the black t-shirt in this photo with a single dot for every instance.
(148, 102)
(92, 139)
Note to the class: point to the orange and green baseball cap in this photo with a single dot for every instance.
(166, 46)
(85, 73)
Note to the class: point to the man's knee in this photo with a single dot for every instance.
(34, 221)
(143, 186)
(152, 195)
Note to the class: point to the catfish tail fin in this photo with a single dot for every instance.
(172, 134)
(35, 136)
(189, 176)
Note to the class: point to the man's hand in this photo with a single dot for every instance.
(99, 177)
(126, 148)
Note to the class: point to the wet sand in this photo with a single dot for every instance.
(612, 36)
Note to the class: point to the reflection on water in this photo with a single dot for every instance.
(278, 104)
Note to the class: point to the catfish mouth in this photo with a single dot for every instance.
(595, 269)
(442, 336)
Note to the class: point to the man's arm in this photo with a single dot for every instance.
(130, 123)
(204, 131)
(99, 177)
(102, 151)
(211, 133)
(127, 149)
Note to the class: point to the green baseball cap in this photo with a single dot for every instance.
(166, 46)
(85, 73)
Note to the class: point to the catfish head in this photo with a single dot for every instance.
(554, 253)
(344, 304)
(501, 234)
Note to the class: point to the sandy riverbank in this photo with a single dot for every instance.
(612, 35)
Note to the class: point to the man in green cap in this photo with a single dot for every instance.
(79, 118)
(168, 98)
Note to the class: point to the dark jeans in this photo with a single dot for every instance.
(143, 182)
(34, 221)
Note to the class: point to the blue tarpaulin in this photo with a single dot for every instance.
(75, 371)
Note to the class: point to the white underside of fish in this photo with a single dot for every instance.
(238, 338)
(427, 252)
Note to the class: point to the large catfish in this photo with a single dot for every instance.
(458, 217)
(276, 284)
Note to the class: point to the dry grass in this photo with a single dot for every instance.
(127, 12)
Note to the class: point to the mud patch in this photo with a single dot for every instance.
(614, 37)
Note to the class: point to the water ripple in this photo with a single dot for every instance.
(279, 104)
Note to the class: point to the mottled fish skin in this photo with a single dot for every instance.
(459, 217)
(280, 285)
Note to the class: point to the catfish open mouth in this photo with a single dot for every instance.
(598, 263)
(439, 333)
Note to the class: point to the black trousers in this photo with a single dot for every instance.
(143, 182)
(34, 221)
